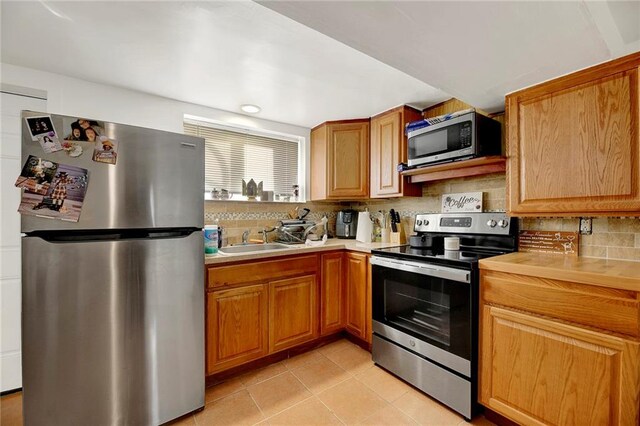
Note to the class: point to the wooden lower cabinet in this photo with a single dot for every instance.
(332, 293)
(357, 295)
(284, 303)
(539, 371)
(293, 312)
(237, 326)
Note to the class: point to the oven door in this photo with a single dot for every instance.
(425, 308)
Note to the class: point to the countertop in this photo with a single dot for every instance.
(618, 274)
(331, 244)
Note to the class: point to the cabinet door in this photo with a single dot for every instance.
(293, 312)
(388, 148)
(356, 289)
(537, 371)
(574, 144)
(237, 329)
(348, 160)
(332, 293)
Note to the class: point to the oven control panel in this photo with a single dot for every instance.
(468, 223)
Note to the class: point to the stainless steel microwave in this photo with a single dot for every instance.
(466, 136)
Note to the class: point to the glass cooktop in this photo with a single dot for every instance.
(463, 257)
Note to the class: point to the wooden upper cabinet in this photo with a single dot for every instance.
(574, 143)
(340, 160)
(388, 148)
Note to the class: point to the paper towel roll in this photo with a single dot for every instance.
(365, 227)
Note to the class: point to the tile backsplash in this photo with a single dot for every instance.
(612, 238)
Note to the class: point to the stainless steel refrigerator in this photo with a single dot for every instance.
(113, 304)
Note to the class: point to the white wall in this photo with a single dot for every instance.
(10, 250)
(72, 96)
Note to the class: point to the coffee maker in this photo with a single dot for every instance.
(346, 224)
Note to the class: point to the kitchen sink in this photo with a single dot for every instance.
(252, 248)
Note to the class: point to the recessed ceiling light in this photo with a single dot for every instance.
(251, 109)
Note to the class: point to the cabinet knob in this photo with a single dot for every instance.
(412, 342)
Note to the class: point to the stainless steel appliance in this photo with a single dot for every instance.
(112, 306)
(425, 304)
(466, 136)
(346, 224)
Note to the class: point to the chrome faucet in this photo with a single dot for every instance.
(245, 237)
(265, 231)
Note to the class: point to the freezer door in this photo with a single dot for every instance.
(113, 331)
(157, 181)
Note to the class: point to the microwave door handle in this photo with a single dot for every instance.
(424, 269)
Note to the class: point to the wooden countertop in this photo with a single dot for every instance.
(619, 274)
(331, 244)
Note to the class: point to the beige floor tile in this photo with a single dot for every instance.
(425, 410)
(236, 409)
(335, 346)
(303, 359)
(352, 401)
(389, 416)
(320, 375)
(383, 383)
(352, 359)
(262, 374)
(309, 412)
(278, 393)
(11, 409)
(223, 389)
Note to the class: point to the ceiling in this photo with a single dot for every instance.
(217, 54)
(305, 62)
(478, 51)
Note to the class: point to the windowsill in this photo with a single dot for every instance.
(240, 199)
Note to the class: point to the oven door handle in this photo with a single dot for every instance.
(424, 269)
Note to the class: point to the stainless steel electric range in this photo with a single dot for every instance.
(425, 303)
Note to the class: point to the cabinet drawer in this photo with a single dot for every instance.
(600, 307)
(220, 276)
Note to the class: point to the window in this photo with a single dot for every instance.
(233, 154)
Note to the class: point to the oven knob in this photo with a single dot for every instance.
(491, 223)
(503, 223)
(419, 222)
(426, 222)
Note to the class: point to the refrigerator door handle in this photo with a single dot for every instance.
(113, 235)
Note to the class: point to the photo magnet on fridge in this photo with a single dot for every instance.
(41, 129)
(36, 175)
(64, 197)
(105, 150)
(82, 129)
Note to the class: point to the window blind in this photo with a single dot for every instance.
(231, 156)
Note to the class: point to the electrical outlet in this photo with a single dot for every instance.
(585, 225)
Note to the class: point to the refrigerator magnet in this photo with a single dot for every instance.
(82, 129)
(73, 149)
(105, 150)
(63, 199)
(41, 129)
(36, 175)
